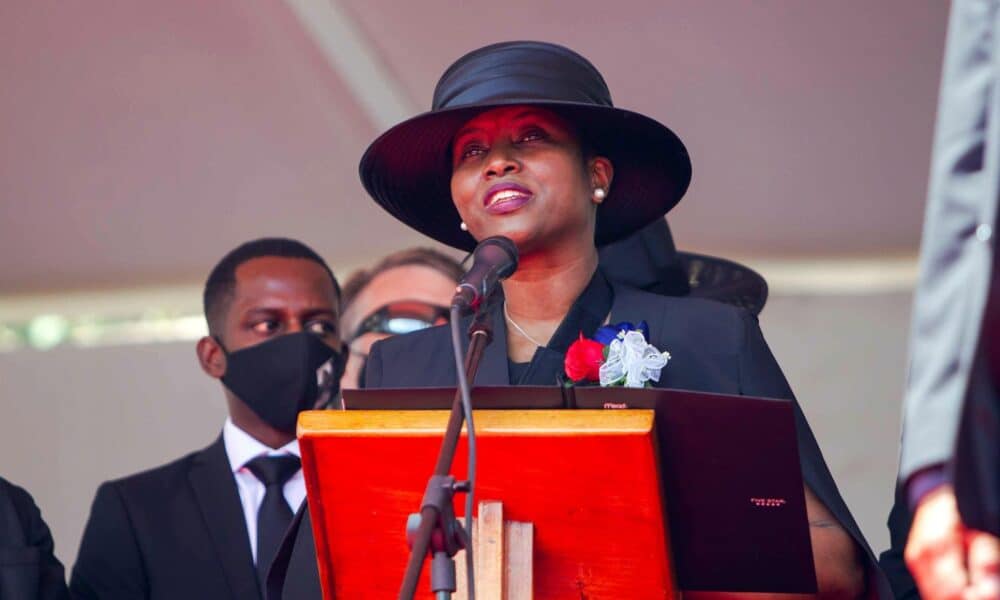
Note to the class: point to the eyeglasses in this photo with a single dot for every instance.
(400, 317)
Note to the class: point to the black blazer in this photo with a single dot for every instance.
(714, 347)
(177, 531)
(28, 568)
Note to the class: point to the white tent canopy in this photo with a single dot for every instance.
(141, 140)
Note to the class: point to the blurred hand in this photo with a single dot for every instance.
(984, 566)
(947, 560)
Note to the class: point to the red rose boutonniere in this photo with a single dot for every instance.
(584, 358)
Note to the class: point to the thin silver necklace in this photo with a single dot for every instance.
(518, 327)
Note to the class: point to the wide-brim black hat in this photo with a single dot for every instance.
(407, 170)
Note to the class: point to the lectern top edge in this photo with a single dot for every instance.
(511, 422)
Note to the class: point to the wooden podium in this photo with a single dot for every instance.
(579, 488)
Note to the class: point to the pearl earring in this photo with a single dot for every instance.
(600, 194)
(463, 226)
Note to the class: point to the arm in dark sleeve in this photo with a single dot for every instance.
(761, 376)
(955, 264)
(891, 561)
(51, 576)
(109, 564)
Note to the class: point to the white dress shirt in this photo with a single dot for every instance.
(241, 448)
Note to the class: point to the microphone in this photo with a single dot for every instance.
(495, 258)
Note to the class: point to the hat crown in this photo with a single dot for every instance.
(518, 72)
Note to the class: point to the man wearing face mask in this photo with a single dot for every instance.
(208, 524)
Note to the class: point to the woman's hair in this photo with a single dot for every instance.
(423, 257)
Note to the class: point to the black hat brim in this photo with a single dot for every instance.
(724, 280)
(407, 170)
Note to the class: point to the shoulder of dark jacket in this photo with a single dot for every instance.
(162, 477)
(725, 320)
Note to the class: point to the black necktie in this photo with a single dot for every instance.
(274, 514)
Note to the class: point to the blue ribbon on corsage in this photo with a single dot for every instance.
(608, 333)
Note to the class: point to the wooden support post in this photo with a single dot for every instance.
(503, 555)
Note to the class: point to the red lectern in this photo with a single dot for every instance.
(578, 489)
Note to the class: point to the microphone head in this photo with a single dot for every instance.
(499, 251)
(494, 258)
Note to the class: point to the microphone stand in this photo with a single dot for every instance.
(436, 528)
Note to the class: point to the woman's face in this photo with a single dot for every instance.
(518, 171)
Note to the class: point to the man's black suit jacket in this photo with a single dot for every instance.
(29, 569)
(714, 347)
(177, 531)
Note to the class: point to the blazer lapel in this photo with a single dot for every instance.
(630, 306)
(545, 368)
(215, 490)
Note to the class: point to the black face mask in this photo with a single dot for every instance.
(284, 376)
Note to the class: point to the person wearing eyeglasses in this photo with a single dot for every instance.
(406, 291)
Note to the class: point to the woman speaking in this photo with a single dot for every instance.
(523, 141)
